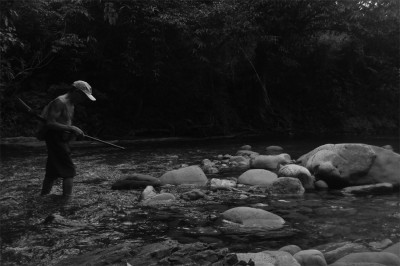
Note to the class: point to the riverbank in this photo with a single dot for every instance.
(32, 142)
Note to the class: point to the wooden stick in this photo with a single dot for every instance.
(30, 111)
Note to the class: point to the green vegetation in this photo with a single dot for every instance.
(205, 67)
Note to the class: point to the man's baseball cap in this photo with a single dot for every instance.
(85, 87)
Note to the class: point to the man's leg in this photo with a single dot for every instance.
(67, 186)
(47, 185)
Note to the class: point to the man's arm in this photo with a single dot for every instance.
(55, 112)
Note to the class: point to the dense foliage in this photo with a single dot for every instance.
(205, 67)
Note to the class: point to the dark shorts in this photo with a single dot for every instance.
(59, 162)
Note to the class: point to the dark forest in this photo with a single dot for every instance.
(204, 68)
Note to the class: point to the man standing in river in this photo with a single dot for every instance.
(58, 132)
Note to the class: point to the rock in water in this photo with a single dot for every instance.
(267, 258)
(286, 186)
(341, 165)
(216, 183)
(136, 181)
(252, 217)
(187, 175)
(300, 172)
(384, 258)
(270, 162)
(382, 188)
(148, 193)
(257, 177)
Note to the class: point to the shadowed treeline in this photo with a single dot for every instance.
(207, 67)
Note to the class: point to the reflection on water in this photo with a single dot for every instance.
(98, 217)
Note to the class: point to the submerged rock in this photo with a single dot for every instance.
(382, 188)
(187, 175)
(169, 252)
(342, 165)
(252, 217)
(136, 181)
(194, 194)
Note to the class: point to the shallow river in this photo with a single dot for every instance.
(99, 217)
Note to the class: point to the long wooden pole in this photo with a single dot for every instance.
(30, 111)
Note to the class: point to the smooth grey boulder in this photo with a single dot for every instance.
(384, 258)
(252, 217)
(187, 175)
(292, 249)
(257, 177)
(310, 257)
(342, 165)
(395, 249)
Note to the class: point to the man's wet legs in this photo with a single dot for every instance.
(67, 186)
(47, 186)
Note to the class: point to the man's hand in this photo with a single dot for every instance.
(77, 131)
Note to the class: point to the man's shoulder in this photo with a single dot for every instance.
(60, 101)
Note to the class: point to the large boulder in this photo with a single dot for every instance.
(257, 177)
(187, 175)
(252, 217)
(341, 165)
(395, 249)
(270, 162)
(384, 258)
(136, 181)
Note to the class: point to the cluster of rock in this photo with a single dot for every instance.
(358, 168)
(341, 254)
(171, 252)
(355, 168)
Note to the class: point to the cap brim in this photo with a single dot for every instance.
(90, 96)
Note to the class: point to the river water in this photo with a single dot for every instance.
(99, 217)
